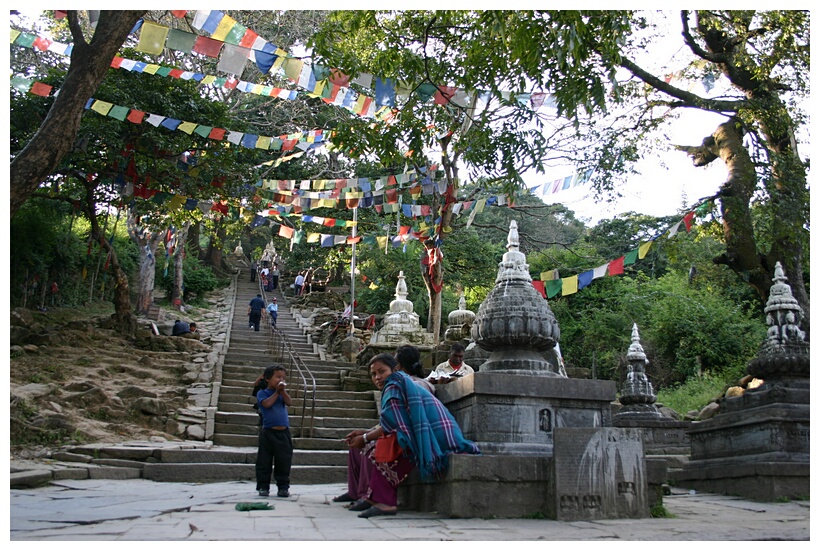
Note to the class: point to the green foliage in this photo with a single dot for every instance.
(197, 279)
(659, 511)
(699, 331)
(695, 392)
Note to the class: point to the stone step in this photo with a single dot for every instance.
(319, 404)
(353, 413)
(245, 391)
(250, 427)
(298, 442)
(251, 418)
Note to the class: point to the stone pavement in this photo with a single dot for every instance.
(138, 509)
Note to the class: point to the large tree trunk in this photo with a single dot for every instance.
(213, 256)
(56, 135)
(742, 254)
(124, 320)
(179, 257)
(147, 243)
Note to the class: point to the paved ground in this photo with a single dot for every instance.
(137, 509)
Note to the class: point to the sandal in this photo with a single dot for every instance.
(361, 505)
(376, 512)
(344, 498)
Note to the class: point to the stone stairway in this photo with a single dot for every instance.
(320, 455)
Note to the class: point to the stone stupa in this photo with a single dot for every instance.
(757, 446)
(519, 410)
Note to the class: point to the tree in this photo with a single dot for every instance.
(764, 59)
(441, 55)
(90, 61)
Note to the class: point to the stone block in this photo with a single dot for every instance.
(484, 486)
(113, 473)
(30, 479)
(71, 473)
(600, 474)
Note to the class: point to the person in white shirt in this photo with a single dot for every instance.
(453, 368)
(297, 284)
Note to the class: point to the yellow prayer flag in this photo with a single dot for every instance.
(293, 67)
(373, 286)
(101, 107)
(643, 249)
(187, 127)
(313, 237)
(223, 28)
(176, 202)
(479, 206)
(208, 79)
(381, 240)
(263, 142)
(152, 38)
(569, 285)
(14, 35)
(357, 107)
(151, 69)
(277, 64)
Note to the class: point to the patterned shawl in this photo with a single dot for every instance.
(425, 430)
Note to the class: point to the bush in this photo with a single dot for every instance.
(197, 279)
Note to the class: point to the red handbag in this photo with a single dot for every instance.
(387, 448)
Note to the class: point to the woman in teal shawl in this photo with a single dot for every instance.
(426, 433)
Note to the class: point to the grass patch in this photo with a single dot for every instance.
(659, 511)
(694, 394)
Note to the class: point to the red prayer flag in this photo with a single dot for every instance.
(40, 89)
(60, 14)
(179, 13)
(41, 43)
(207, 46)
(392, 196)
(176, 73)
(116, 62)
(217, 134)
(687, 220)
(136, 116)
(539, 286)
(616, 267)
(329, 222)
(444, 94)
(248, 39)
(286, 232)
(339, 78)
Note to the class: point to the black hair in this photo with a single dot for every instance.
(271, 369)
(410, 360)
(388, 359)
(457, 347)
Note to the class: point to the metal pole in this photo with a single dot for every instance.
(350, 327)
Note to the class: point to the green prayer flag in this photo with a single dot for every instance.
(631, 257)
(180, 40)
(119, 112)
(553, 287)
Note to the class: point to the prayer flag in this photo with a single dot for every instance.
(553, 287)
(207, 46)
(631, 257)
(181, 40)
(616, 267)
(152, 38)
(539, 286)
(285, 231)
(687, 220)
(643, 249)
(569, 285)
(233, 59)
(584, 279)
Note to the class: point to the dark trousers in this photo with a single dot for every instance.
(254, 318)
(275, 454)
(275, 280)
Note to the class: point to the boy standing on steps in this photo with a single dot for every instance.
(275, 452)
